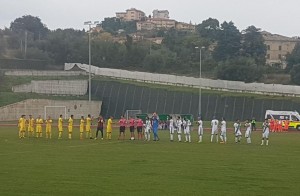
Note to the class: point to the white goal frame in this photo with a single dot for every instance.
(129, 113)
(51, 106)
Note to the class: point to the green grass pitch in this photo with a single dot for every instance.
(34, 166)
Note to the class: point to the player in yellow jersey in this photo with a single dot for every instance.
(88, 130)
(70, 126)
(109, 128)
(22, 126)
(26, 125)
(49, 127)
(19, 125)
(60, 127)
(81, 127)
(39, 122)
(30, 127)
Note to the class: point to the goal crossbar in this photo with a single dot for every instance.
(133, 113)
(51, 106)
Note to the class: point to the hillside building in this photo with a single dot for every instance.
(131, 14)
(163, 14)
(162, 23)
(278, 47)
(185, 26)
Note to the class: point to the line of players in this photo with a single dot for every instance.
(177, 126)
(36, 125)
(149, 125)
(32, 124)
(185, 124)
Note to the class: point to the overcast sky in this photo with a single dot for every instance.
(275, 16)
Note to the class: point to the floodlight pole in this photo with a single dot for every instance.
(89, 23)
(90, 55)
(200, 77)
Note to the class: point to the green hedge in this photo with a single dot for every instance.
(23, 64)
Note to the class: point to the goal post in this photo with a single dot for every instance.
(133, 113)
(55, 111)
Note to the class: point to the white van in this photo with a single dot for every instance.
(292, 116)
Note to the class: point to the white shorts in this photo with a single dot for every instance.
(179, 130)
(147, 130)
(248, 133)
(223, 133)
(171, 130)
(266, 134)
(187, 131)
(214, 131)
(200, 130)
(238, 133)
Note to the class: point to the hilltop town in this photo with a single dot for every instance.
(278, 46)
(156, 42)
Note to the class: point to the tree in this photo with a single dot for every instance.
(67, 45)
(229, 42)
(113, 25)
(104, 36)
(295, 74)
(154, 62)
(108, 54)
(12, 40)
(239, 69)
(1, 76)
(128, 42)
(253, 45)
(209, 29)
(293, 58)
(31, 24)
(136, 54)
(2, 43)
(170, 59)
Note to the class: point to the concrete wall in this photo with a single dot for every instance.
(57, 87)
(224, 85)
(36, 107)
(43, 73)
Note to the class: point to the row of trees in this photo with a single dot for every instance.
(229, 54)
(293, 64)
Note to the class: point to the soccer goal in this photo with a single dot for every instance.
(132, 113)
(55, 111)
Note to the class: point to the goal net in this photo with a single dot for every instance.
(55, 111)
(132, 113)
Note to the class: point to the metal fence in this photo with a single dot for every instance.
(119, 97)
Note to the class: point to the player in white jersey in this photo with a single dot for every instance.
(171, 128)
(184, 125)
(179, 128)
(223, 131)
(200, 129)
(266, 132)
(214, 129)
(248, 132)
(237, 131)
(187, 129)
(147, 129)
